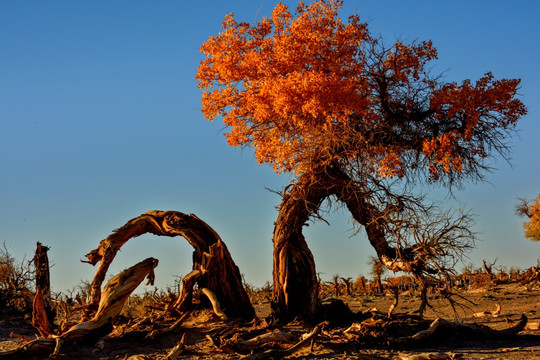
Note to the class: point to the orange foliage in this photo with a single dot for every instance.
(532, 228)
(308, 88)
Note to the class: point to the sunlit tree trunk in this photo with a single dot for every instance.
(295, 280)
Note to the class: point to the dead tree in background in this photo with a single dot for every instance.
(347, 282)
(213, 266)
(377, 271)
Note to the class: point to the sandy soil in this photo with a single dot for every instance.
(513, 298)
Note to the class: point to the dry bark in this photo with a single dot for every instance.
(213, 266)
(295, 281)
(295, 290)
(43, 312)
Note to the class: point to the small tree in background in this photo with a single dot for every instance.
(532, 211)
(377, 271)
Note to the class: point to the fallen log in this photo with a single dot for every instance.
(464, 329)
(258, 341)
(115, 294)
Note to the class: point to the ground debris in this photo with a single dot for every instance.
(427, 356)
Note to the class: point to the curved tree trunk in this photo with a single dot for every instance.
(295, 282)
(295, 289)
(213, 266)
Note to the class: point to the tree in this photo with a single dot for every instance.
(377, 271)
(353, 120)
(531, 211)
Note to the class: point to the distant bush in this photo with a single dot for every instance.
(16, 283)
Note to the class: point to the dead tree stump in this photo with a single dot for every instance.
(43, 309)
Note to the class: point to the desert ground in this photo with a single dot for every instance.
(202, 329)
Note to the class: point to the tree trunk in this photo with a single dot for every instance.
(212, 262)
(295, 279)
(43, 313)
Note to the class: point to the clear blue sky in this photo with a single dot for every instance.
(100, 121)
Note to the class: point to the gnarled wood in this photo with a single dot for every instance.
(295, 290)
(211, 259)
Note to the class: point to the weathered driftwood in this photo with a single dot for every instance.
(308, 339)
(115, 294)
(258, 341)
(213, 266)
(493, 313)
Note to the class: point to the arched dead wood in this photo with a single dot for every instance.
(115, 294)
(213, 266)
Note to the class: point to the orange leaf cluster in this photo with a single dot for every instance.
(306, 88)
(476, 111)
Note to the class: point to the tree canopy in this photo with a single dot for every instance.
(309, 88)
(351, 116)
